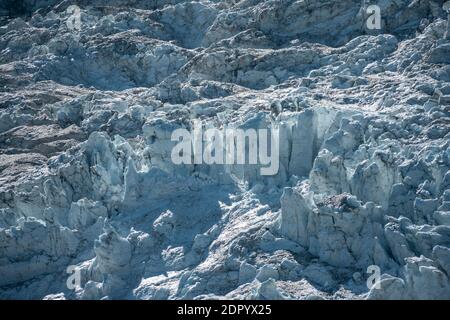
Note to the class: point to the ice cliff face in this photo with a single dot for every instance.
(90, 95)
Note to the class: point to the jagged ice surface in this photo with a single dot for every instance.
(86, 177)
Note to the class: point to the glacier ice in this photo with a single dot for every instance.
(90, 97)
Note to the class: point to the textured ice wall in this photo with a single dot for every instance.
(89, 98)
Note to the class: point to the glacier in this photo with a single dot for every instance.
(92, 205)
